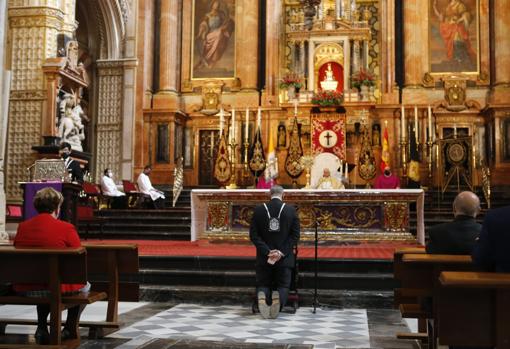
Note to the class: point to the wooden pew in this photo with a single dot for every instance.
(418, 275)
(473, 309)
(113, 270)
(52, 267)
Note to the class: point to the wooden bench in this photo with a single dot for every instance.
(417, 274)
(52, 267)
(112, 269)
(473, 309)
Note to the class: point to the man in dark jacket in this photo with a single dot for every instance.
(274, 231)
(491, 250)
(72, 166)
(459, 236)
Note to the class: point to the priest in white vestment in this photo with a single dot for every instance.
(145, 187)
(110, 190)
(328, 182)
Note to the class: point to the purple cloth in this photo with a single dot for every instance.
(31, 189)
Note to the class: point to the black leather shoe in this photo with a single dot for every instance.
(66, 334)
(42, 336)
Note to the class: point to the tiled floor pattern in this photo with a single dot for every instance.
(347, 328)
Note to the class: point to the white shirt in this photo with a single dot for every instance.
(109, 188)
(145, 186)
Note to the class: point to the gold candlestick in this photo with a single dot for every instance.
(403, 156)
(233, 146)
(430, 144)
(307, 163)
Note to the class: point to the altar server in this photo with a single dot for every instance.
(145, 187)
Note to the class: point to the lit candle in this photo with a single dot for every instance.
(430, 122)
(259, 117)
(246, 125)
(233, 127)
(403, 123)
(416, 124)
(222, 120)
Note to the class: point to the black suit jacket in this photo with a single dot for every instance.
(284, 240)
(492, 250)
(457, 237)
(74, 168)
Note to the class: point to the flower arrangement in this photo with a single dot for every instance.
(291, 79)
(328, 98)
(362, 77)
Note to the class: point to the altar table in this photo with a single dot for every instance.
(341, 215)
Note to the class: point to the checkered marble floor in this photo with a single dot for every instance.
(327, 329)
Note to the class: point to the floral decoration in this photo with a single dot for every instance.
(362, 77)
(328, 98)
(291, 79)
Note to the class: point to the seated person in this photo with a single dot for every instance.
(45, 230)
(109, 188)
(145, 187)
(387, 180)
(458, 236)
(329, 182)
(265, 181)
(491, 250)
(73, 167)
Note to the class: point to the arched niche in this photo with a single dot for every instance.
(328, 53)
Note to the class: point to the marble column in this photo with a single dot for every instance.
(273, 21)
(501, 56)
(169, 45)
(415, 42)
(246, 43)
(355, 56)
(293, 63)
(302, 58)
(4, 101)
(388, 88)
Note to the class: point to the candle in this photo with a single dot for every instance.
(416, 124)
(222, 120)
(430, 122)
(455, 130)
(246, 125)
(259, 117)
(295, 106)
(346, 171)
(233, 127)
(403, 123)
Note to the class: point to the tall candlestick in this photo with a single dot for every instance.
(416, 124)
(403, 122)
(295, 107)
(222, 120)
(233, 127)
(246, 125)
(259, 117)
(430, 122)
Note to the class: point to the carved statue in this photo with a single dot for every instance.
(71, 128)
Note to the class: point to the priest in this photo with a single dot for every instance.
(329, 182)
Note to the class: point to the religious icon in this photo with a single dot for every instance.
(453, 25)
(282, 136)
(376, 135)
(214, 45)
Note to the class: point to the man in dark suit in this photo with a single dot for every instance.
(457, 237)
(274, 241)
(491, 250)
(72, 166)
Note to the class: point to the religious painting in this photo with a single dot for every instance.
(213, 43)
(453, 36)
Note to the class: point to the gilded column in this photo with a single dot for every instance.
(247, 43)
(109, 116)
(169, 45)
(501, 52)
(33, 39)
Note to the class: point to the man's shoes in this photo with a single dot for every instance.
(263, 307)
(42, 336)
(275, 306)
(66, 334)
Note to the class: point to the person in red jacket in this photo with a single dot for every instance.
(46, 230)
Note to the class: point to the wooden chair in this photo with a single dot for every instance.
(135, 197)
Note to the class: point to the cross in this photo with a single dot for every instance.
(328, 136)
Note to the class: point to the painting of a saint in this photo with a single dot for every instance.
(453, 36)
(213, 39)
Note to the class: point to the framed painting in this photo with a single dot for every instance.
(454, 36)
(213, 39)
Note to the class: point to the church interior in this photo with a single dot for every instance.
(162, 126)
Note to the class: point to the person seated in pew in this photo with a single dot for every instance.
(491, 249)
(46, 230)
(458, 236)
(145, 187)
(109, 189)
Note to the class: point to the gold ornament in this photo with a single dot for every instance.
(293, 161)
(222, 170)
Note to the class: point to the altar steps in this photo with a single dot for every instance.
(187, 278)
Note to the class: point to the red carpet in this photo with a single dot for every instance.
(203, 248)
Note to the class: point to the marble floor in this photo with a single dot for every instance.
(193, 326)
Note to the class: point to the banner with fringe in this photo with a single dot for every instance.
(328, 134)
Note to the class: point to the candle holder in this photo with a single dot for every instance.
(430, 144)
(233, 146)
(307, 162)
(403, 157)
